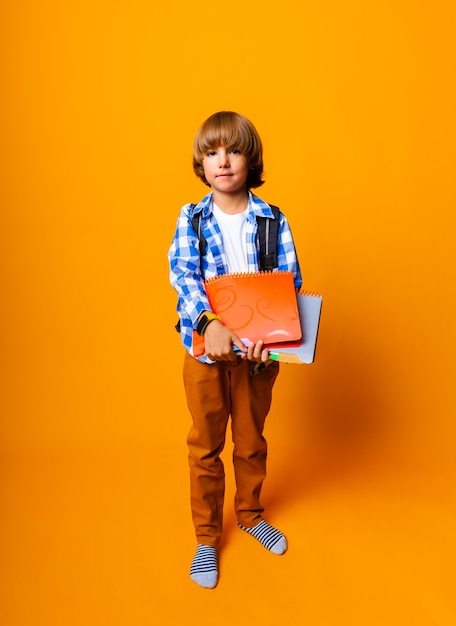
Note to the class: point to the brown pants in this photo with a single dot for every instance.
(214, 392)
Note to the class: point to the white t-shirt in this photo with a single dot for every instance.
(234, 243)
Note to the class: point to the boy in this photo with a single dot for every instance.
(227, 157)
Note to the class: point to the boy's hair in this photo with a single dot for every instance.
(234, 132)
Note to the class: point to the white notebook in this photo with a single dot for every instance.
(309, 307)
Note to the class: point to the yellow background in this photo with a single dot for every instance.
(355, 103)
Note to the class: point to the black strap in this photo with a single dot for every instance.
(268, 233)
(196, 225)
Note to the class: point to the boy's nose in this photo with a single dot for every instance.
(223, 158)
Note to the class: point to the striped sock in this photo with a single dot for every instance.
(204, 570)
(269, 537)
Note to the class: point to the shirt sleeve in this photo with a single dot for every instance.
(185, 272)
(286, 252)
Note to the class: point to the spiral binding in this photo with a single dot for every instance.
(221, 277)
(306, 292)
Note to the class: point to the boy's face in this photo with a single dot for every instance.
(226, 171)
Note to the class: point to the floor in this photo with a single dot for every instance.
(94, 537)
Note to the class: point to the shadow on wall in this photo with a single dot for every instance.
(335, 413)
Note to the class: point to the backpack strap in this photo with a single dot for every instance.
(196, 225)
(268, 233)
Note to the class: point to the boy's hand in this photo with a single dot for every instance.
(219, 341)
(256, 352)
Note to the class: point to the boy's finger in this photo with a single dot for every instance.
(238, 345)
(258, 349)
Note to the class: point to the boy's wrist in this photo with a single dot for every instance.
(204, 321)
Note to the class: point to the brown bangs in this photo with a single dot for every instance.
(223, 129)
(234, 132)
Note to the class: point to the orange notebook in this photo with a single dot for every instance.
(256, 306)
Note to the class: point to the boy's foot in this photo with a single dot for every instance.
(204, 569)
(269, 537)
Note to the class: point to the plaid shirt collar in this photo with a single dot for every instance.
(256, 206)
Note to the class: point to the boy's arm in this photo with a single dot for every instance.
(185, 273)
(187, 280)
(286, 252)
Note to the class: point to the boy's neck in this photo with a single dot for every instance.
(231, 203)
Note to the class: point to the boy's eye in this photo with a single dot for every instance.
(211, 152)
(234, 151)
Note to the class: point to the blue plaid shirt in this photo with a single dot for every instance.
(188, 270)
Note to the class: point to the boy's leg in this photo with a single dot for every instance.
(208, 399)
(251, 401)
